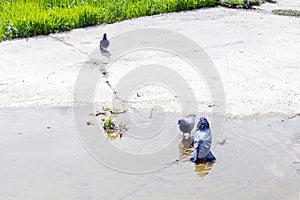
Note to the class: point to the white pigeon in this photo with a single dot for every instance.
(186, 125)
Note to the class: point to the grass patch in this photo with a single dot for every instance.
(25, 18)
(271, 1)
(294, 13)
(241, 3)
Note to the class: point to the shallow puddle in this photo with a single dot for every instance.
(260, 159)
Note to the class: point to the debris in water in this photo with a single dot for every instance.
(117, 112)
(106, 108)
(222, 141)
(89, 123)
(99, 113)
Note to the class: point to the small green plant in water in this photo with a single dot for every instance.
(109, 125)
(111, 130)
(106, 109)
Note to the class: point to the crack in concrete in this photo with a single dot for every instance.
(8, 86)
(139, 187)
(62, 40)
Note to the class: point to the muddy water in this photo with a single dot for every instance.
(42, 157)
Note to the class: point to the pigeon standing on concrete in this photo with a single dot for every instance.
(202, 143)
(104, 43)
(186, 125)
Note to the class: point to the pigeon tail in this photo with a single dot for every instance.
(193, 116)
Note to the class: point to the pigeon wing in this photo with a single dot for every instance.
(187, 125)
(202, 143)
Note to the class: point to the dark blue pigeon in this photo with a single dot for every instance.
(104, 43)
(202, 143)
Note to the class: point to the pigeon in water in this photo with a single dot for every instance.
(186, 125)
(104, 43)
(202, 143)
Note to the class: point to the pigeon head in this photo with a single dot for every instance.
(104, 36)
(202, 124)
(179, 121)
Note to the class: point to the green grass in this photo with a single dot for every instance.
(241, 3)
(25, 18)
(294, 13)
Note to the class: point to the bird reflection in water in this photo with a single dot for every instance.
(185, 152)
(202, 169)
(186, 148)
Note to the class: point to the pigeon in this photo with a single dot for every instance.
(186, 125)
(104, 43)
(202, 143)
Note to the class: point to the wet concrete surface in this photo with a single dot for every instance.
(42, 156)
